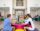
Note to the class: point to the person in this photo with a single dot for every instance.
(19, 27)
(28, 20)
(15, 16)
(21, 19)
(7, 23)
(0, 14)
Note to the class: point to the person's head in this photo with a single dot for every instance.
(28, 15)
(0, 13)
(21, 17)
(9, 16)
(14, 21)
(25, 17)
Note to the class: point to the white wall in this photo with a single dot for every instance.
(4, 11)
(35, 12)
(5, 3)
(34, 3)
(19, 7)
(31, 3)
(27, 3)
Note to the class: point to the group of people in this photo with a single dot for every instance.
(27, 19)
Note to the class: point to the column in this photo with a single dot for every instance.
(10, 5)
(28, 6)
(11, 11)
(25, 7)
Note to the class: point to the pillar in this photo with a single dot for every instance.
(10, 11)
(28, 6)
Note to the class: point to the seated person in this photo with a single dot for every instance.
(28, 20)
(18, 26)
(21, 19)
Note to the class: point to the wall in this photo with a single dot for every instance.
(5, 3)
(19, 7)
(4, 11)
(29, 3)
(34, 3)
(35, 12)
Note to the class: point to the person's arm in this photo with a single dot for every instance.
(5, 22)
(32, 24)
(26, 21)
(24, 24)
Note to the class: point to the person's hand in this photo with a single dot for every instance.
(26, 27)
(23, 23)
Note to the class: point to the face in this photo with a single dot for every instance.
(15, 20)
(10, 17)
(21, 17)
(27, 17)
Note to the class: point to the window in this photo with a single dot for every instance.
(20, 11)
(19, 2)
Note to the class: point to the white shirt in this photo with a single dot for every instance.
(30, 20)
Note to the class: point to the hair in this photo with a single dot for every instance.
(29, 15)
(25, 17)
(0, 13)
(8, 15)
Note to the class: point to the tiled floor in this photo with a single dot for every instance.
(36, 23)
(1, 25)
